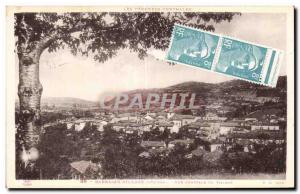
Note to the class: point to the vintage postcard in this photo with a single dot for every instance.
(150, 97)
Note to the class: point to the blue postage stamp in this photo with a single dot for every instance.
(193, 47)
(221, 54)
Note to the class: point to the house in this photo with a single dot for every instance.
(215, 145)
(187, 119)
(265, 126)
(251, 120)
(146, 126)
(240, 130)
(274, 121)
(139, 127)
(283, 119)
(133, 117)
(199, 127)
(153, 144)
(125, 117)
(260, 137)
(199, 152)
(130, 127)
(160, 118)
(98, 114)
(148, 118)
(227, 127)
(70, 125)
(170, 115)
(246, 144)
(185, 142)
(133, 127)
(241, 122)
(151, 114)
(174, 129)
(262, 99)
(161, 152)
(181, 120)
(161, 115)
(84, 169)
(214, 106)
(177, 123)
(206, 130)
(79, 125)
(222, 138)
(119, 126)
(225, 109)
(144, 155)
(129, 130)
(100, 125)
(162, 125)
(213, 116)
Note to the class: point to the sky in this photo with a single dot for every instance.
(65, 75)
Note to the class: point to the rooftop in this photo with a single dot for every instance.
(257, 135)
(82, 166)
(152, 144)
(180, 117)
(182, 141)
(230, 124)
(198, 152)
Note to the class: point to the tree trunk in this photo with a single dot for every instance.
(29, 92)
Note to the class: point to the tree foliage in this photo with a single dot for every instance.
(103, 34)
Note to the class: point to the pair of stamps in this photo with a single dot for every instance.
(232, 57)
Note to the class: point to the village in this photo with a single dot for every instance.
(158, 133)
(235, 128)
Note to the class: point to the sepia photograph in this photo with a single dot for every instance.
(141, 97)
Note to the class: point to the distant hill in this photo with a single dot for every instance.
(59, 101)
(192, 86)
(234, 86)
(202, 90)
(64, 102)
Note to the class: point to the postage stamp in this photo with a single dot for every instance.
(221, 54)
(92, 100)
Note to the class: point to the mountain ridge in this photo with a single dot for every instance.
(200, 88)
